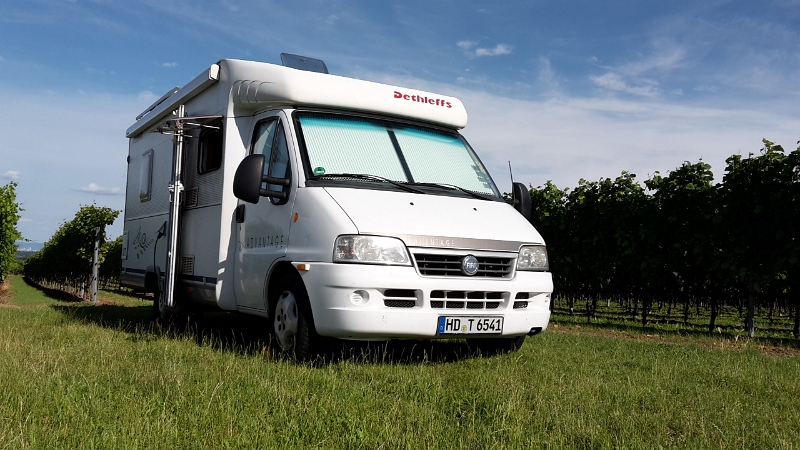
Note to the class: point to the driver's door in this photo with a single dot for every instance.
(263, 234)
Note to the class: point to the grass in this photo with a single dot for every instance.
(78, 375)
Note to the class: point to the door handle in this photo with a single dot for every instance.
(240, 213)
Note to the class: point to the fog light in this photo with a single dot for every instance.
(359, 297)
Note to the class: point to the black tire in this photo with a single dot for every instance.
(185, 319)
(291, 324)
(497, 345)
(160, 316)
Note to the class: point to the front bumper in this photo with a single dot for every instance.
(362, 301)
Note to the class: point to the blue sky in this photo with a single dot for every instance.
(563, 89)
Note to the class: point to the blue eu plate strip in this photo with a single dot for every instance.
(442, 321)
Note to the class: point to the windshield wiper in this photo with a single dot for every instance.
(455, 188)
(361, 176)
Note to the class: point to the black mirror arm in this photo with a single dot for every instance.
(282, 196)
(279, 181)
(274, 194)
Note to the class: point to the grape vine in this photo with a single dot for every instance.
(680, 240)
(65, 261)
(9, 216)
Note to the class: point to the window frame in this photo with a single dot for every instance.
(279, 125)
(202, 149)
(389, 122)
(149, 156)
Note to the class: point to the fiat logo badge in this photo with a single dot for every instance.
(469, 265)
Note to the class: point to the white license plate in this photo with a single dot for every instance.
(469, 325)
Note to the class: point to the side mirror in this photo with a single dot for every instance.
(521, 198)
(249, 176)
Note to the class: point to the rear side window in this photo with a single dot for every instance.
(146, 176)
(210, 150)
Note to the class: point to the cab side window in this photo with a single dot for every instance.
(269, 140)
(279, 161)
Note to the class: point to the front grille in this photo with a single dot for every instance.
(400, 298)
(399, 303)
(400, 293)
(474, 295)
(465, 300)
(432, 265)
(520, 305)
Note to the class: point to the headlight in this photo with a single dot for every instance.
(370, 250)
(533, 257)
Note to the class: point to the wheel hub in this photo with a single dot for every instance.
(286, 320)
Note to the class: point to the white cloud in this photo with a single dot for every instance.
(640, 77)
(615, 82)
(706, 88)
(11, 175)
(548, 78)
(667, 61)
(147, 96)
(169, 64)
(95, 189)
(466, 45)
(500, 49)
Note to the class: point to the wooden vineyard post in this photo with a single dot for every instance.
(95, 264)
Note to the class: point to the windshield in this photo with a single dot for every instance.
(408, 154)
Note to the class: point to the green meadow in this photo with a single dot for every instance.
(80, 375)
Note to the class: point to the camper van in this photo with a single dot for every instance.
(329, 206)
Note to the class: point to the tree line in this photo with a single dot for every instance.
(680, 238)
(65, 261)
(9, 216)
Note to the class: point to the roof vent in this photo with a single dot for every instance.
(303, 63)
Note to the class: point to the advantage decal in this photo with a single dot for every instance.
(421, 99)
(262, 242)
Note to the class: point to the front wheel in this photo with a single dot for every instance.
(292, 324)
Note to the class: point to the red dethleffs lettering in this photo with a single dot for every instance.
(422, 99)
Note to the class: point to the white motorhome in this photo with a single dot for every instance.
(330, 206)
